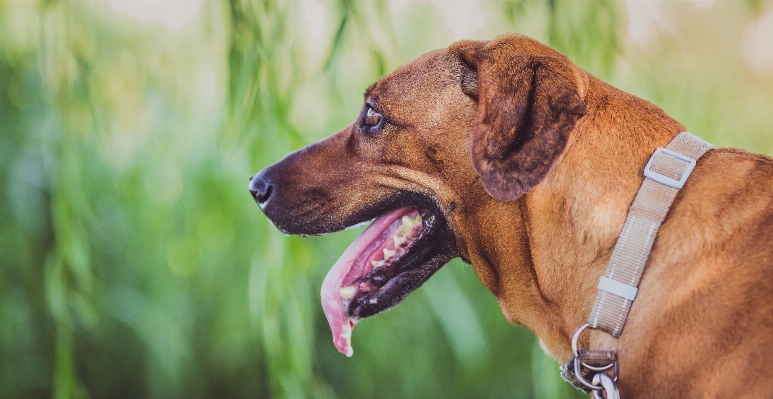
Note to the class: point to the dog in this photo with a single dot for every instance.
(506, 154)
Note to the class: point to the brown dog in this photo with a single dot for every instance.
(507, 155)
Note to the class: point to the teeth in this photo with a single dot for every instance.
(408, 224)
(377, 263)
(405, 229)
(347, 292)
(388, 254)
(398, 240)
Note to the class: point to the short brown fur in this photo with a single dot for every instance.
(534, 163)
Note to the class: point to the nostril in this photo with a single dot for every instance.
(263, 197)
(260, 189)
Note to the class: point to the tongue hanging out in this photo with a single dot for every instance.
(381, 245)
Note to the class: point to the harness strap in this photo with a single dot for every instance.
(666, 172)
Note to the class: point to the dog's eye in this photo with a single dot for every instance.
(372, 118)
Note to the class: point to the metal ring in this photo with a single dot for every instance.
(578, 374)
(608, 386)
(578, 365)
(604, 368)
(576, 337)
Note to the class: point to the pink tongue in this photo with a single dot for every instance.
(332, 303)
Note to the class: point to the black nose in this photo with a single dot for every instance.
(260, 188)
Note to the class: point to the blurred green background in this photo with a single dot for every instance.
(133, 262)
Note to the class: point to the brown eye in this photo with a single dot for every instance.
(372, 118)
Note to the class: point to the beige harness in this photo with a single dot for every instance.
(665, 174)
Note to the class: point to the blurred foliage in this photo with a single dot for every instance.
(133, 262)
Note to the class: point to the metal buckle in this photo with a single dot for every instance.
(596, 384)
(662, 179)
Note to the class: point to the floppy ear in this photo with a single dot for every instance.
(527, 105)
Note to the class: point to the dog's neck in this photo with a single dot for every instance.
(544, 262)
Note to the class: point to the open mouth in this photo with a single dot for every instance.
(400, 250)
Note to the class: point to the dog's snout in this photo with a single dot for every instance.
(260, 188)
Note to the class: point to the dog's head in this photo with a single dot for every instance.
(437, 138)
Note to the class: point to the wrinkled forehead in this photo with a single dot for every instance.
(420, 83)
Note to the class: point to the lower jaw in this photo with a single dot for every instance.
(430, 251)
(395, 289)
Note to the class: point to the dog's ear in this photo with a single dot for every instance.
(527, 105)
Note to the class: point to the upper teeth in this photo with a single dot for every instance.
(411, 221)
(408, 224)
(388, 254)
(398, 240)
